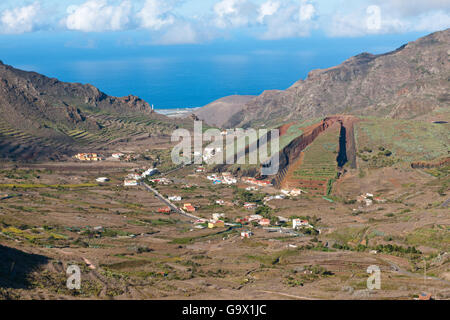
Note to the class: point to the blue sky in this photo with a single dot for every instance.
(178, 53)
(169, 22)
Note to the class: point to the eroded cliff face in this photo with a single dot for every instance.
(346, 153)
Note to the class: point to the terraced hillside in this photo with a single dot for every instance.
(43, 118)
(316, 167)
(385, 142)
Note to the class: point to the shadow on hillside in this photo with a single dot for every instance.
(16, 266)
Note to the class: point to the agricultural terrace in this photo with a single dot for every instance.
(319, 158)
(382, 142)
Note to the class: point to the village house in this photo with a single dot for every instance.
(200, 169)
(175, 198)
(188, 207)
(379, 200)
(366, 199)
(242, 220)
(217, 216)
(117, 155)
(254, 217)
(296, 192)
(130, 183)
(250, 206)
(149, 172)
(134, 176)
(246, 234)
(216, 224)
(102, 179)
(264, 222)
(164, 210)
(261, 183)
(163, 181)
(298, 223)
(212, 177)
(88, 157)
(220, 202)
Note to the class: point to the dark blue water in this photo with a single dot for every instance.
(185, 76)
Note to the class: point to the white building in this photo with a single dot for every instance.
(149, 172)
(117, 155)
(218, 216)
(298, 223)
(175, 198)
(254, 217)
(246, 234)
(102, 179)
(130, 183)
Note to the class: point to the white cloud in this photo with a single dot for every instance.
(294, 19)
(234, 13)
(307, 11)
(268, 8)
(98, 16)
(155, 14)
(439, 20)
(390, 17)
(413, 8)
(19, 20)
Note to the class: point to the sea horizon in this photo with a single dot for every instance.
(191, 76)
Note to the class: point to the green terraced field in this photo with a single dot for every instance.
(408, 140)
(319, 162)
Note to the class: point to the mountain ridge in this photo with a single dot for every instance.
(42, 117)
(409, 82)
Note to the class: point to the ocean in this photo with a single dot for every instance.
(187, 76)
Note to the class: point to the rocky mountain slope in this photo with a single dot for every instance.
(407, 83)
(228, 106)
(42, 117)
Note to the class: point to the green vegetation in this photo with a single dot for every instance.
(383, 142)
(436, 237)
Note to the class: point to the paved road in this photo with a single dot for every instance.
(396, 268)
(169, 203)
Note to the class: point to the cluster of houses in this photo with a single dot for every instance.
(88, 157)
(368, 199)
(215, 222)
(226, 178)
(259, 219)
(284, 194)
(133, 178)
